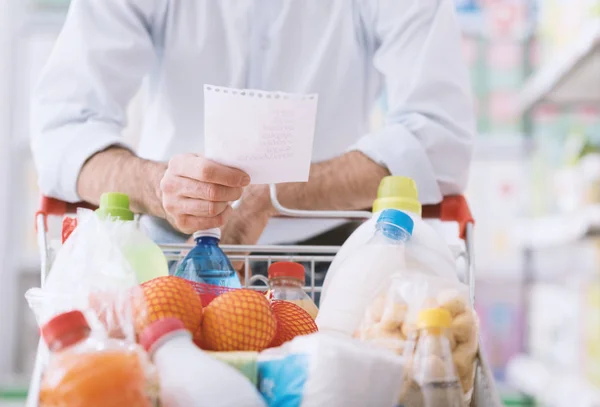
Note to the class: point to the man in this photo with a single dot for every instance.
(347, 51)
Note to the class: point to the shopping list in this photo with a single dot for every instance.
(269, 135)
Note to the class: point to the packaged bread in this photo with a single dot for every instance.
(390, 321)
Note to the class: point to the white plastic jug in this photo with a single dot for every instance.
(426, 250)
(362, 274)
(189, 377)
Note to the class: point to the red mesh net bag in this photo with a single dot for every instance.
(171, 297)
(208, 292)
(292, 321)
(224, 319)
(238, 320)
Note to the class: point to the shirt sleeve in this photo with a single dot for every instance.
(430, 123)
(79, 104)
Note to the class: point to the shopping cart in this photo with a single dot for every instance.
(452, 209)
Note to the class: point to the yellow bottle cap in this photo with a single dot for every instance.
(396, 192)
(434, 318)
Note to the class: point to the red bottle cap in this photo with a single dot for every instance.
(65, 330)
(158, 329)
(287, 269)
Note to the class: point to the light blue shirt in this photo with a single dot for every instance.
(347, 51)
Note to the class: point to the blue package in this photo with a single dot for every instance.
(281, 381)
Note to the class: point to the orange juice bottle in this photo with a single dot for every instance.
(286, 282)
(86, 372)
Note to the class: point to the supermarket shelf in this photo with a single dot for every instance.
(474, 25)
(551, 386)
(558, 230)
(574, 77)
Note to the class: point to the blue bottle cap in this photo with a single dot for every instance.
(397, 218)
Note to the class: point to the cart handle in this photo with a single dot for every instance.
(55, 207)
(451, 209)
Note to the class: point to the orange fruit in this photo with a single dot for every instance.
(292, 321)
(171, 297)
(239, 320)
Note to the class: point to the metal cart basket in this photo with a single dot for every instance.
(452, 209)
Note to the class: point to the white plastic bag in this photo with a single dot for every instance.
(91, 274)
(326, 370)
(391, 319)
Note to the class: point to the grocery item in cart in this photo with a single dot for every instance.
(238, 320)
(68, 226)
(92, 273)
(426, 250)
(87, 371)
(325, 370)
(207, 263)
(189, 377)
(391, 319)
(430, 378)
(362, 274)
(244, 362)
(171, 297)
(144, 256)
(292, 321)
(286, 282)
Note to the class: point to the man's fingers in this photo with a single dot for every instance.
(197, 207)
(200, 169)
(189, 224)
(188, 188)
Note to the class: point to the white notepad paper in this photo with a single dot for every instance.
(269, 135)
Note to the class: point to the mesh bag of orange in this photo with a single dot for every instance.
(224, 319)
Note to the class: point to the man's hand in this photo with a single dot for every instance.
(248, 221)
(196, 192)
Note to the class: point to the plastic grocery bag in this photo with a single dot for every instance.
(91, 274)
(326, 370)
(390, 320)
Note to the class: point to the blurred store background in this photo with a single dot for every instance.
(534, 190)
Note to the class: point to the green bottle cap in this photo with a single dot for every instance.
(396, 192)
(114, 205)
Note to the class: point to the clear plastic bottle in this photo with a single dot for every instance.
(145, 257)
(360, 277)
(85, 371)
(434, 370)
(286, 282)
(207, 263)
(189, 377)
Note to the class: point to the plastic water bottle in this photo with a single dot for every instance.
(361, 276)
(207, 263)
(189, 377)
